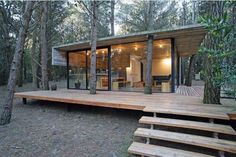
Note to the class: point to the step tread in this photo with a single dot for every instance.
(154, 151)
(213, 143)
(187, 112)
(225, 129)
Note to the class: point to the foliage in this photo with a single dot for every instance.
(221, 53)
(133, 17)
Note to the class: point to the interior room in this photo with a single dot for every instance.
(129, 66)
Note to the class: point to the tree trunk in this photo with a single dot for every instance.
(33, 63)
(7, 106)
(112, 17)
(20, 73)
(148, 78)
(148, 81)
(93, 79)
(211, 89)
(44, 48)
(189, 76)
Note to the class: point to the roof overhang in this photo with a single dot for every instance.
(187, 39)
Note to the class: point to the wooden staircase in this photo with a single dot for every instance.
(166, 128)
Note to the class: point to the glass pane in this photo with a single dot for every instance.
(77, 70)
(128, 64)
(102, 68)
(161, 66)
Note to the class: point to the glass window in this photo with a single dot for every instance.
(77, 70)
(102, 68)
(129, 66)
(161, 66)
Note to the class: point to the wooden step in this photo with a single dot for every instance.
(218, 128)
(188, 112)
(213, 143)
(154, 151)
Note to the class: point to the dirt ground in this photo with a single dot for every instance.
(45, 129)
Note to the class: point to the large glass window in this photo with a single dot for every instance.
(77, 70)
(129, 66)
(102, 68)
(161, 66)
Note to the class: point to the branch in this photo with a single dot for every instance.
(85, 6)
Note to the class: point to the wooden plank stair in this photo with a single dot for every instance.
(187, 112)
(211, 127)
(207, 142)
(156, 151)
(213, 142)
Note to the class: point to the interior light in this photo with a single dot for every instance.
(103, 52)
(96, 52)
(135, 48)
(160, 45)
(167, 61)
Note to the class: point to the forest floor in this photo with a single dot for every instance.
(45, 129)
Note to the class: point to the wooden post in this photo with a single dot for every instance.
(24, 100)
(172, 65)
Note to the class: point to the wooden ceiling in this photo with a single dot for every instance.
(187, 39)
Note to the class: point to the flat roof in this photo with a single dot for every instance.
(187, 39)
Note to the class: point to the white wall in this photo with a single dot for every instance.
(161, 67)
(134, 72)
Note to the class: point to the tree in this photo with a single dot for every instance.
(150, 27)
(93, 74)
(112, 17)
(8, 104)
(44, 48)
(215, 49)
(8, 33)
(133, 17)
(189, 76)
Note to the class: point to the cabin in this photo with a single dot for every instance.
(121, 60)
(121, 65)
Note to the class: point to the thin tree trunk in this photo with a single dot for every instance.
(112, 17)
(148, 81)
(7, 106)
(44, 49)
(93, 79)
(148, 78)
(33, 64)
(211, 89)
(20, 73)
(189, 76)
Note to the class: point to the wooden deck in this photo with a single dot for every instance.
(190, 91)
(162, 102)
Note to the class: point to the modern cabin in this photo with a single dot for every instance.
(121, 60)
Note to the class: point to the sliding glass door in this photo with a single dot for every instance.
(102, 68)
(79, 69)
